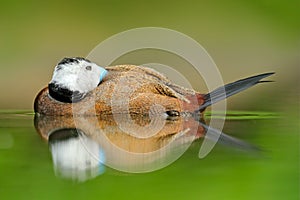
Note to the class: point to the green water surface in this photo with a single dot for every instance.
(26, 167)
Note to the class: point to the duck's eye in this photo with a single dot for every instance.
(88, 68)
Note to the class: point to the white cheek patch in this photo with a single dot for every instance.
(66, 79)
(75, 77)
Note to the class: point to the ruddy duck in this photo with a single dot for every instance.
(124, 88)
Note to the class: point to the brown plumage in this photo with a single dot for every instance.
(146, 88)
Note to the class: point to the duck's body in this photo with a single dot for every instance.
(81, 87)
(146, 88)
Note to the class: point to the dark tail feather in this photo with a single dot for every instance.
(231, 89)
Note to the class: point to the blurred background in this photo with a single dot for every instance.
(243, 38)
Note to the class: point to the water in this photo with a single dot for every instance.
(28, 171)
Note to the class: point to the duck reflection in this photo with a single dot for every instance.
(81, 146)
(75, 155)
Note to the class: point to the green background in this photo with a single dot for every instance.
(242, 37)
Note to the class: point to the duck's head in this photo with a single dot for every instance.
(73, 78)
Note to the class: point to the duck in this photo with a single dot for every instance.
(80, 86)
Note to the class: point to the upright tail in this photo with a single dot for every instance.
(231, 89)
